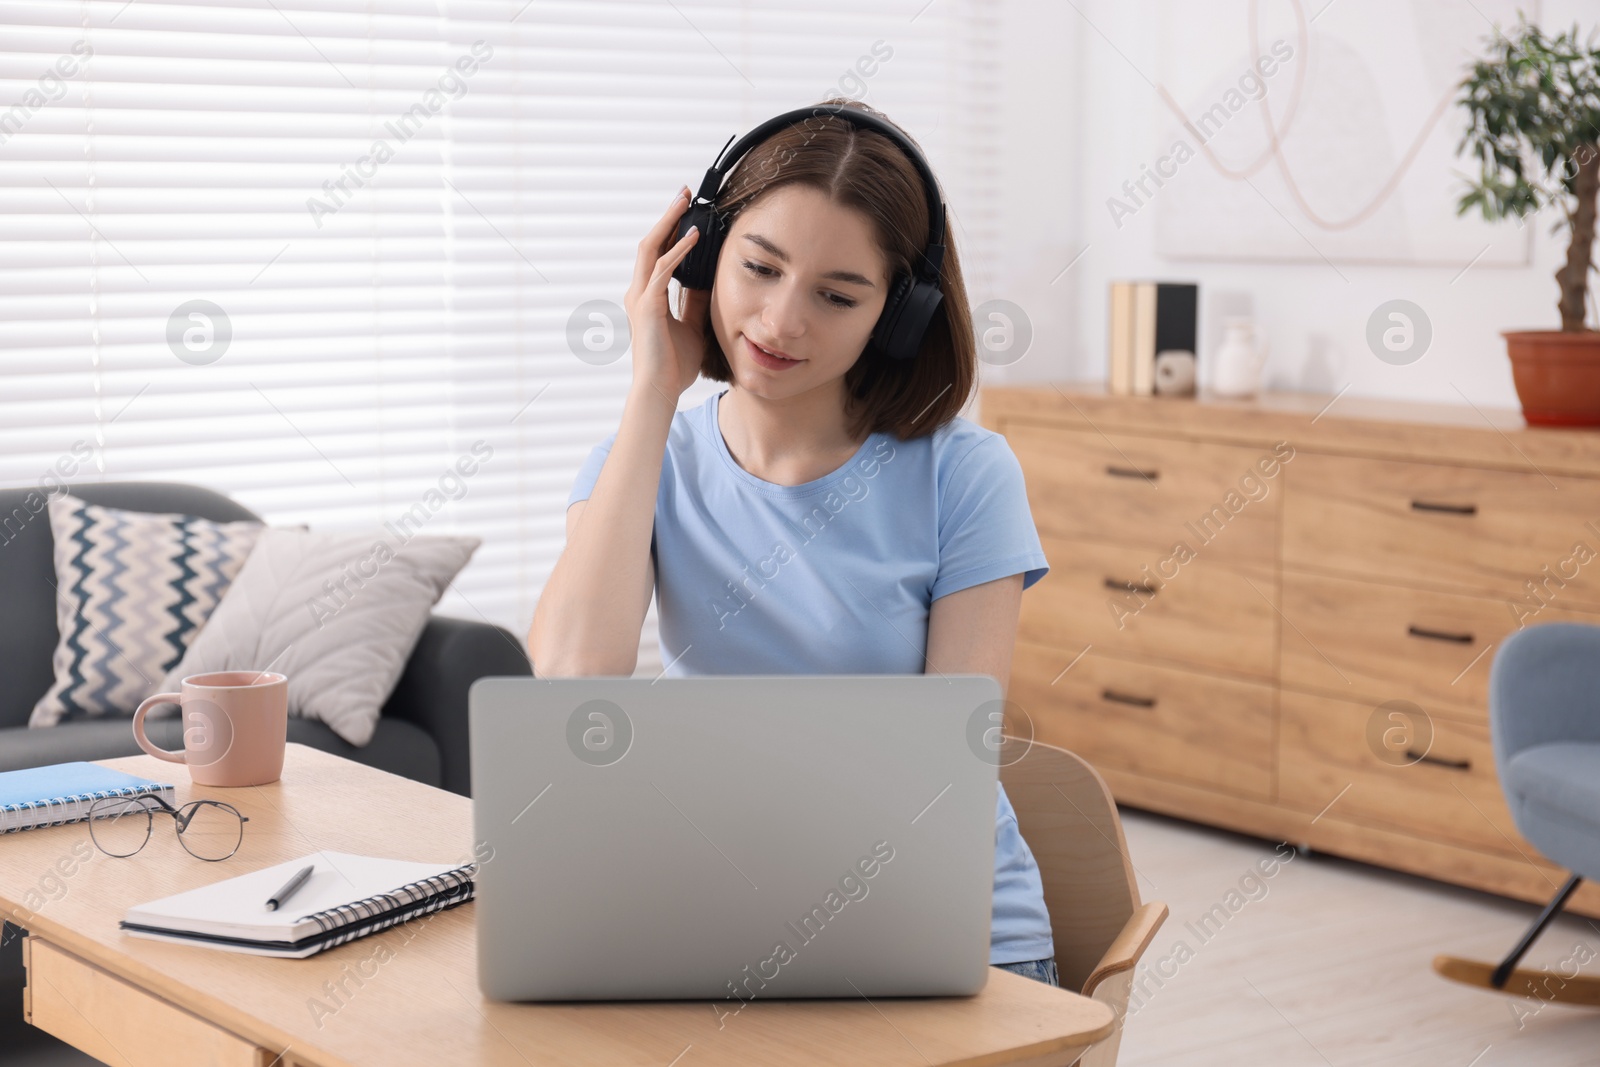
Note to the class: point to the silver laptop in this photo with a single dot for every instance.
(734, 837)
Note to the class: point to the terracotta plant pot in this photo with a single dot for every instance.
(1557, 376)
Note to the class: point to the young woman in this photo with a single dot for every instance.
(827, 513)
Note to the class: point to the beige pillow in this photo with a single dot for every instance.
(337, 613)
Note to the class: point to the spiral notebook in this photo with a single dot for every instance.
(346, 897)
(62, 793)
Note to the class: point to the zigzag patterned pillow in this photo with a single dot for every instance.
(132, 590)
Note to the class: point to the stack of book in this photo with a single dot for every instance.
(1148, 319)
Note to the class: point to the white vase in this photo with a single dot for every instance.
(1236, 367)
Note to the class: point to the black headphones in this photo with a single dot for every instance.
(913, 298)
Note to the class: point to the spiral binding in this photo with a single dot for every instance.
(459, 894)
(68, 804)
(444, 886)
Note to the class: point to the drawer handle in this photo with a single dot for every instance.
(1124, 698)
(1121, 586)
(1131, 472)
(1454, 764)
(1447, 509)
(1439, 635)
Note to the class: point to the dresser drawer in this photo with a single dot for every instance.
(1140, 603)
(1329, 749)
(1482, 531)
(1151, 492)
(1157, 721)
(1388, 642)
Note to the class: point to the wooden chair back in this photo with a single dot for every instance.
(1100, 927)
(1070, 822)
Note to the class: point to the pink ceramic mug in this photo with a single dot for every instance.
(235, 727)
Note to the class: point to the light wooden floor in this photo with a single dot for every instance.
(1329, 964)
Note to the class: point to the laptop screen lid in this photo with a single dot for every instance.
(734, 837)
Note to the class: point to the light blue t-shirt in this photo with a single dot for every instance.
(836, 575)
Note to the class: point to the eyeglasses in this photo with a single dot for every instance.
(207, 829)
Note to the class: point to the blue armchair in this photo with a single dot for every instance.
(1544, 724)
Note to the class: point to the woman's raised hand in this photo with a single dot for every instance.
(667, 351)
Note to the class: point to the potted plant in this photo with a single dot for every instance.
(1535, 130)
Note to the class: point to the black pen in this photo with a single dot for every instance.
(281, 897)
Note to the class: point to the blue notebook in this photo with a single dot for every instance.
(62, 793)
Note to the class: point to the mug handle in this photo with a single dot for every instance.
(138, 727)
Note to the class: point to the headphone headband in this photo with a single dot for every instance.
(933, 253)
(914, 296)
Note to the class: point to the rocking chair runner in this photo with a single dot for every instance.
(1544, 722)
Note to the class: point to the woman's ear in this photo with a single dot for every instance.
(696, 309)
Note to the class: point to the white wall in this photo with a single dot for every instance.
(1082, 115)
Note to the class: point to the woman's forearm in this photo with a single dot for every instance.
(592, 610)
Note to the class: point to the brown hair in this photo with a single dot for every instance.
(864, 170)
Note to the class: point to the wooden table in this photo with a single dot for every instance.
(409, 995)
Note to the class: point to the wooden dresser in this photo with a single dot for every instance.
(1278, 615)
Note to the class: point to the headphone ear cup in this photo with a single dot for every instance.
(883, 329)
(906, 315)
(698, 269)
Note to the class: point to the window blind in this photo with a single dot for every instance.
(321, 255)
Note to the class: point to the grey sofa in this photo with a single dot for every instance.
(422, 734)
